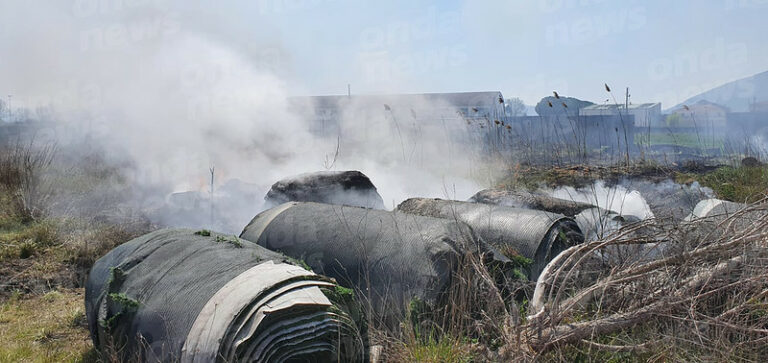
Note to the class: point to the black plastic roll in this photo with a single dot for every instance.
(389, 257)
(533, 234)
(181, 295)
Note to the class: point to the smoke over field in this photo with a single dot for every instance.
(332, 161)
(164, 96)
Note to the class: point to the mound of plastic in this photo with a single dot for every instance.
(389, 258)
(528, 200)
(181, 295)
(351, 188)
(533, 234)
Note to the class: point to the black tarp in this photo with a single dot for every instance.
(351, 188)
(388, 257)
(533, 234)
(181, 295)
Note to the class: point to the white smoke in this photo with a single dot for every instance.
(178, 91)
(615, 198)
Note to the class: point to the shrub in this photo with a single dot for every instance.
(21, 167)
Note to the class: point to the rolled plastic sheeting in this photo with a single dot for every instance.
(669, 201)
(597, 223)
(528, 200)
(388, 257)
(533, 234)
(710, 213)
(351, 188)
(714, 207)
(177, 295)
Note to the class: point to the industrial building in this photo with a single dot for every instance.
(645, 114)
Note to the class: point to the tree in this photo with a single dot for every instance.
(514, 107)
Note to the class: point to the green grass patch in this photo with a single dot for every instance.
(441, 350)
(203, 232)
(231, 240)
(26, 240)
(736, 184)
(679, 139)
(124, 300)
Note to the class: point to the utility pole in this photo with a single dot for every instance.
(212, 169)
(349, 90)
(626, 108)
(10, 114)
(626, 101)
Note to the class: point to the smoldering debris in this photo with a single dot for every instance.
(710, 208)
(351, 188)
(533, 234)
(227, 209)
(711, 213)
(597, 223)
(529, 200)
(601, 209)
(670, 200)
(617, 198)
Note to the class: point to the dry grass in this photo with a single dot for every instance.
(705, 299)
(45, 328)
(705, 295)
(25, 194)
(470, 323)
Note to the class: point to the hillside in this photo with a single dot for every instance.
(736, 95)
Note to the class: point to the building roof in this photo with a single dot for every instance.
(456, 99)
(611, 107)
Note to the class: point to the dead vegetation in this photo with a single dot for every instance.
(45, 256)
(45, 328)
(698, 291)
(24, 192)
(704, 298)
(531, 177)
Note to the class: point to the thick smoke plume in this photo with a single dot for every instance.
(172, 94)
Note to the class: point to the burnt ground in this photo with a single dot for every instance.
(579, 176)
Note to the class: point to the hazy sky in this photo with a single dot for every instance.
(664, 50)
(178, 86)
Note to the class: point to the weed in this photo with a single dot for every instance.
(124, 300)
(78, 319)
(27, 249)
(231, 240)
(299, 262)
(125, 306)
(345, 292)
(21, 168)
(43, 233)
(51, 296)
(203, 232)
(439, 350)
